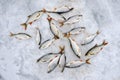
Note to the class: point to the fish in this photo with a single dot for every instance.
(95, 49)
(47, 57)
(76, 63)
(74, 31)
(61, 12)
(20, 36)
(53, 64)
(32, 18)
(38, 36)
(74, 46)
(62, 60)
(47, 43)
(55, 31)
(90, 38)
(71, 20)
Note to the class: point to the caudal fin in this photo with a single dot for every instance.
(88, 61)
(24, 25)
(11, 34)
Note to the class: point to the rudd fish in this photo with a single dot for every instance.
(71, 20)
(76, 63)
(56, 32)
(90, 38)
(74, 46)
(47, 43)
(20, 36)
(47, 57)
(38, 36)
(74, 31)
(59, 60)
(62, 60)
(33, 17)
(95, 49)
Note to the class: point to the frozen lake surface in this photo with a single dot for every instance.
(18, 57)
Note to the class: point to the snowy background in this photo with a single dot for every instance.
(18, 57)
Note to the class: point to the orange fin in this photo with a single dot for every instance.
(88, 61)
(104, 42)
(61, 49)
(24, 25)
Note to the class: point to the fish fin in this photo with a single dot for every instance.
(11, 34)
(44, 10)
(49, 18)
(24, 25)
(104, 42)
(61, 49)
(88, 61)
(29, 16)
(98, 32)
(61, 23)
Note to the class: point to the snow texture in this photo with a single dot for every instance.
(18, 57)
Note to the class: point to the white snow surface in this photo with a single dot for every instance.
(18, 57)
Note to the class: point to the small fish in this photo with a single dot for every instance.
(53, 64)
(47, 43)
(90, 38)
(47, 57)
(32, 18)
(76, 63)
(95, 49)
(38, 36)
(20, 36)
(62, 60)
(61, 12)
(72, 20)
(74, 31)
(56, 32)
(74, 46)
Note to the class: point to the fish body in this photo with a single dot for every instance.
(47, 57)
(75, 63)
(38, 36)
(20, 36)
(31, 18)
(72, 20)
(75, 47)
(53, 64)
(56, 32)
(89, 38)
(47, 43)
(62, 62)
(95, 49)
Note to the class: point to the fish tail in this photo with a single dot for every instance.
(88, 61)
(11, 34)
(104, 42)
(98, 32)
(61, 49)
(24, 25)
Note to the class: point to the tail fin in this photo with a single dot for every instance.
(98, 32)
(105, 43)
(11, 34)
(88, 61)
(61, 49)
(24, 25)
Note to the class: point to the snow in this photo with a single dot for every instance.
(18, 57)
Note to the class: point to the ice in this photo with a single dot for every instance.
(18, 57)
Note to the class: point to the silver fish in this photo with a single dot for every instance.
(76, 63)
(62, 60)
(47, 57)
(32, 18)
(72, 20)
(56, 32)
(95, 49)
(90, 38)
(53, 64)
(75, 47)
(20, 36)
(38, 36)
(47, 43)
